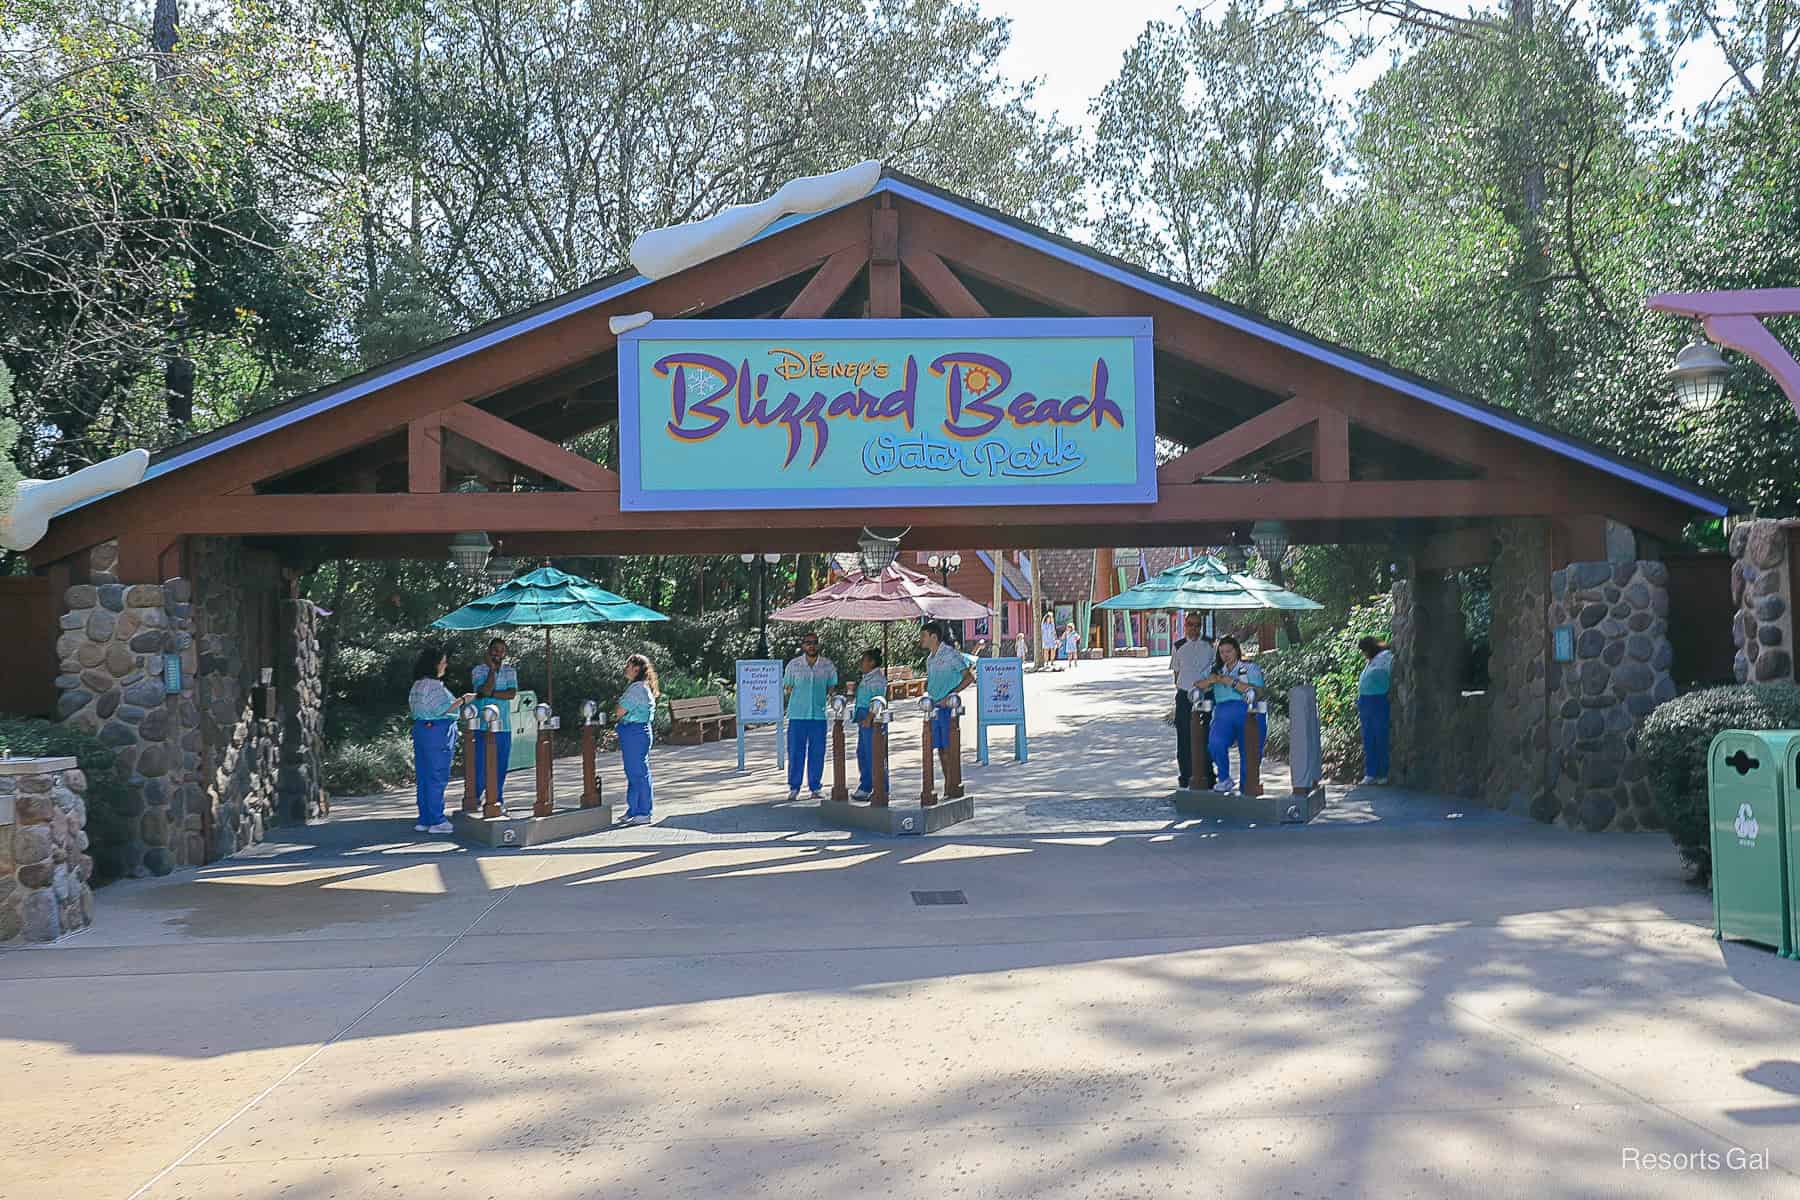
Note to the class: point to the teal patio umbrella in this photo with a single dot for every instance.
(546, 597)
(1204, 583)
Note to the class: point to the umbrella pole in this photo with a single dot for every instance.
(549, 672)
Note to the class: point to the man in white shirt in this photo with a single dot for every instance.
(1190, 660)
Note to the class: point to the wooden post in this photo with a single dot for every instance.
(953, 785)
(878, 763)
(491, 748)
(928, 791)
(839, 792)
(590, 778)
(471, 802)
(546, 797)
(1252, 766)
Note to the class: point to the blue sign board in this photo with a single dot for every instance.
(886, 413)
(1000, 700)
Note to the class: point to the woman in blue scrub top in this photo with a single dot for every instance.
(1232, 682)
(636, 712)
(433, 711)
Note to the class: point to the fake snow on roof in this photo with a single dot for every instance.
(663, 252)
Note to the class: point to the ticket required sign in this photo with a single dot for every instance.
(758, 691)
(886, 413)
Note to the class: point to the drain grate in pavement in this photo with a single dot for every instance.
(923, 898)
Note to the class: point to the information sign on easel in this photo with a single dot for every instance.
(1000, 700)
(759, 703)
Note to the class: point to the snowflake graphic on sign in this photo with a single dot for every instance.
(1746, 823)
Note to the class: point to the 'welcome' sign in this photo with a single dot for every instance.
(885, 413)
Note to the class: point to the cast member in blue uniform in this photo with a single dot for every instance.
(496, 682)
(807, 682)
(1233, 680)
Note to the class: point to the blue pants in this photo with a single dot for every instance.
(1228, 729)
(865, 754)
(503, 752)
(635, 738)
(806, 748)
(941, 719)
(1373, 711)
(432, 748)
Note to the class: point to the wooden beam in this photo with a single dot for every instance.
(828, 283)
(1331, 447)
(884, 262)
(529, 450)
(475, 459)
(1178, 505)
(1212, 456)
(425, 454)
(940, 283)
(144, 556)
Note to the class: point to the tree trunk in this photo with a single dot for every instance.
(803, 576)
(178, 368)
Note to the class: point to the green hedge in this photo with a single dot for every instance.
(108, 823)
(1674, 741)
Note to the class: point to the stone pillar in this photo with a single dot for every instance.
(44, 864)
(298, 789)
(1517, 736)
(1429, 652)
(1618, 614)
(1761, 587)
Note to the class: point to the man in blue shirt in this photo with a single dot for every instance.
(807, 683)
(496, 682)
(947, 671)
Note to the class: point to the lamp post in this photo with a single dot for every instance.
(946, 565)
(760, 581)
(1734, 320)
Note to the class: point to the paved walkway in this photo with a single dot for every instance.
(1404, 999)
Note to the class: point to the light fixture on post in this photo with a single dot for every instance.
(1271, 538)
(1234, 558)
(875, 554)
(1698, 376)
(946, 565)
(500, 570)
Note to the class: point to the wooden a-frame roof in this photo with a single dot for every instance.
(1342, 446)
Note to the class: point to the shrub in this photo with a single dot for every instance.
(108, 822)
(360, 766)
(1674, 740)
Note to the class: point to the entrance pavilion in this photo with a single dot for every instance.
(1256, 420)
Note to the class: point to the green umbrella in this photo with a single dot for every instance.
(1206, 584)
(546, 597)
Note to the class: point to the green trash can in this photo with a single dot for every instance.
(1792, 850)
(1747, 784)
(524, 733)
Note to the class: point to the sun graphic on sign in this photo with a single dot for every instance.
(978, 379)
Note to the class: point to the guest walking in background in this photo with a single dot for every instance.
(807, 681)
(636, 713)
(1372, 707)
(433, 711)
(496, 682)
(872, 684)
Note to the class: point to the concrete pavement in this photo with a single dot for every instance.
(1403, 999)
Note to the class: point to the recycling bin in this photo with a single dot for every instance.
(1748, 781)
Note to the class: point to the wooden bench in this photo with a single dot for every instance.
(699, 720)
(903, 686)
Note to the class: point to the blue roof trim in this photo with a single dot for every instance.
(987, 560)
(1311, 349)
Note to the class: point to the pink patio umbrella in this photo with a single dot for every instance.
(898, 595)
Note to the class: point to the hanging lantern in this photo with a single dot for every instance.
(1698, 376)
(1271, 538)
(876, 553)
(1234, 558)
(469, 550)
(500, 569)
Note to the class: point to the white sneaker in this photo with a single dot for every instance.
(421, 829)
(1367, 781)
(1381, 781)
(1223, 787)
(442, 827)
(860, 795)
(816, 794)
(793, 796)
